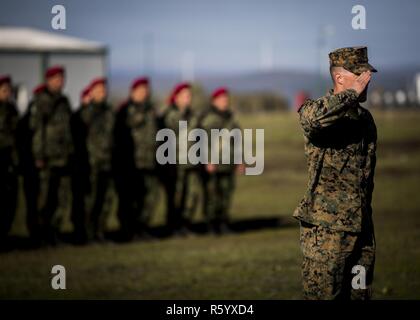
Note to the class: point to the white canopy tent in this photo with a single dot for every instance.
(26, 53)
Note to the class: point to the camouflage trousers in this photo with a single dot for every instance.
(42, 193)
(183, 191)
(328, 259)
(98, 204)
(80, 186)
(219, 189)
(187, 193)
(138, 194)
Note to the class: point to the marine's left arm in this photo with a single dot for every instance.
(371, 145)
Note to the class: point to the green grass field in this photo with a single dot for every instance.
(259, 264)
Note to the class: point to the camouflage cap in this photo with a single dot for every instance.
(353, 59)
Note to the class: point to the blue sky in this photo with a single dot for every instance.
(229, 35)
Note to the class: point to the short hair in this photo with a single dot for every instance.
(333, 71)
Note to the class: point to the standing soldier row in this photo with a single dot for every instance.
(96, 147)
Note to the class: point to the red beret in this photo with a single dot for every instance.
(39, 88)
(178, 88)
(97, 81)
(85, 92)
(5, 79)
(139, 81)
(219, 92)
(52, 71)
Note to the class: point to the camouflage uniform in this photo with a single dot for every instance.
(51, 143)
(134, 165)
(336, 213)
(8, 163)
(98, 119)
(219, 186)
(182, 181)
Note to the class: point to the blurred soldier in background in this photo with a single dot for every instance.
(336, 213)
(219, 179)
(8, 157)
(51, 147)
(27, 166)
(98, 119)
(80, 170)
(182, 181)
(134, 160)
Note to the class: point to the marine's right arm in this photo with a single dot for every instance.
(315, 115)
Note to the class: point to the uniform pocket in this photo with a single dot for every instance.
(308, 239)
(336, 199)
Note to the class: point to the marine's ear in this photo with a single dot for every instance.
(338, 78)
(337, 75)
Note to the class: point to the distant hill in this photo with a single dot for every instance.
(282, 82)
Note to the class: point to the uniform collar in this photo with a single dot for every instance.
(225, 114)
(145, 105)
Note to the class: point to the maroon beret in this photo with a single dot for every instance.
(39, 88)
(97, 81)
(139, 81)
(177, 89)
(52, 71)
(85, 92)
(219, 92)
(5, 79)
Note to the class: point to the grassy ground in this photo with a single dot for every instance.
(258, 264)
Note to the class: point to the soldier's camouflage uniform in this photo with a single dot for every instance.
(98, 119)
(51, 143)
(219, 186)
(335, 213)
(134, 165)
(182, 181)
(8, 165)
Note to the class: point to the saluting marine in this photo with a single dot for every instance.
(335, 214)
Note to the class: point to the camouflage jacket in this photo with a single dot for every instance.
(99, 123)
(215, 119)
(340, 146)
(8, 125)
(135, 136)
(170, 119)
(49, 122)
